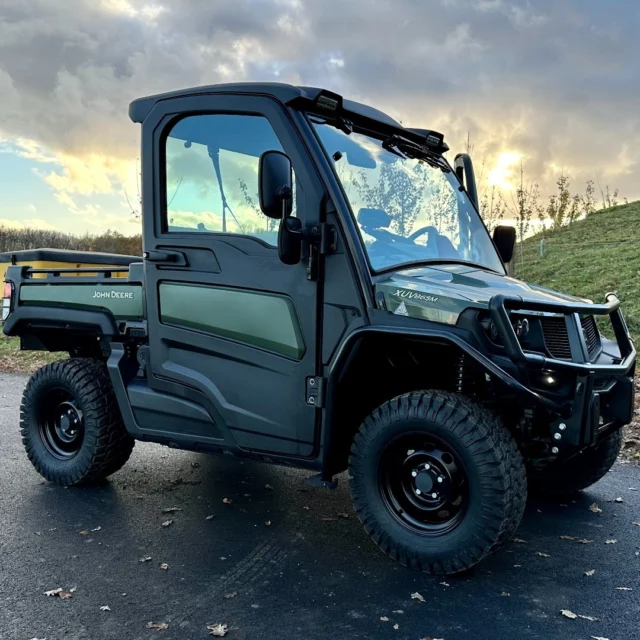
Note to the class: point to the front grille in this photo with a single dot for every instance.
(591, 334)
(556, 338)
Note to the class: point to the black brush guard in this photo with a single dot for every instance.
(604, 391)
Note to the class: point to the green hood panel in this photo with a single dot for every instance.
(124, 301)
(442, 293)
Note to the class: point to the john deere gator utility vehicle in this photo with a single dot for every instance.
(317, 289)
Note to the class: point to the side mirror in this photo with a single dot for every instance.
(464, 170)
(504, 237)
(275, 181)
(275, 184)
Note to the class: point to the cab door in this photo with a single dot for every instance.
(231, 328)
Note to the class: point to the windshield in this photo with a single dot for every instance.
(407, 210)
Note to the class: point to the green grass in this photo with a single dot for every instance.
(583, 260)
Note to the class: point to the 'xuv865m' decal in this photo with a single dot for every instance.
(414, 295)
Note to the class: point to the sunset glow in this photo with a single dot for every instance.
(504, 172)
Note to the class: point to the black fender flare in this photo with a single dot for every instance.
(24, 319)
(345, 349)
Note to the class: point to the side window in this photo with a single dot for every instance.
(212, 175)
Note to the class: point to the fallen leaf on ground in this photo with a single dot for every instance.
(171, 510)
(396, 626)
(84, 533)
(227, 500)
(590, 618)
(159, 626)
(542, 555)
(636, 523)
(505, 593)
(398, 611)
(623, 588)
(218, 630)
(233, 594)
(612, 541)
(585, 541)
(417, 596)
(106, 607)
(167, 523)
(73, 589)
(429, 638)
(223, 558)
(268, 487)
(146, 559)
(267, 523)
(64, 595)
(618, 500)
(306, 508)
(519, 540)
(590, 572)
(594, 508)
(343, 515)
(96, 529)
(568, 537)
(164, 566)
(568, 614)
(599, 638)
(210, 517)
(445, 584)
(53, 592)
(384, 619)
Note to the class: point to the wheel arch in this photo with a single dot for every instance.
(342, 417)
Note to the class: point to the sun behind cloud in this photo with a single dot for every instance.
(504, 171)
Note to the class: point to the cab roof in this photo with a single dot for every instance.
(305, 97)
(286, 93)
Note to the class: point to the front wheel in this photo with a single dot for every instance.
(437, 481)
(70, 423)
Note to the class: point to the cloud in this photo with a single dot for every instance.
(554, 82)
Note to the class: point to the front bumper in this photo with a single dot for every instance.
(603, 391)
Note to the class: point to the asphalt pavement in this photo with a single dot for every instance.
(282, 561)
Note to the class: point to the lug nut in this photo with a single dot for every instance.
(556, 436)
(418, 492)
(562, 426)
(554, 450)
(427, 466)
(440, 479)
(434, 495)
(414, 473)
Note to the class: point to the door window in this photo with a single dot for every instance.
(212, 175)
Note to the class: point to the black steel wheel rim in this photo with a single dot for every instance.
(423, 483)
(60, 423)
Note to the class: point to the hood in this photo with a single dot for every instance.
(441, 293)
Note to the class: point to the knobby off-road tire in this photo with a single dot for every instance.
(70, 423)
(435, 435)
(578, 472)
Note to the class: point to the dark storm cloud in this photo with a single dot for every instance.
(558, 81)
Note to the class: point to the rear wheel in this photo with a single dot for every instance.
(579, 472)
(70, 424)
(437, 481)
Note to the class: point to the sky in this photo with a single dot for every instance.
(554, 83)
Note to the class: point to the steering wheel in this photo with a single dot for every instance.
(421, 231)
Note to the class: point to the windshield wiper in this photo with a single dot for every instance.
(400, 145)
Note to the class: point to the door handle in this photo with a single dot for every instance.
(168, 257)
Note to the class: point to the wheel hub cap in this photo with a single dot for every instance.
(424, 483)
(61, 424)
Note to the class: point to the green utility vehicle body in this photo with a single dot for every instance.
(369, 278)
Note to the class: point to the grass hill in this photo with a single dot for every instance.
(590, 258)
